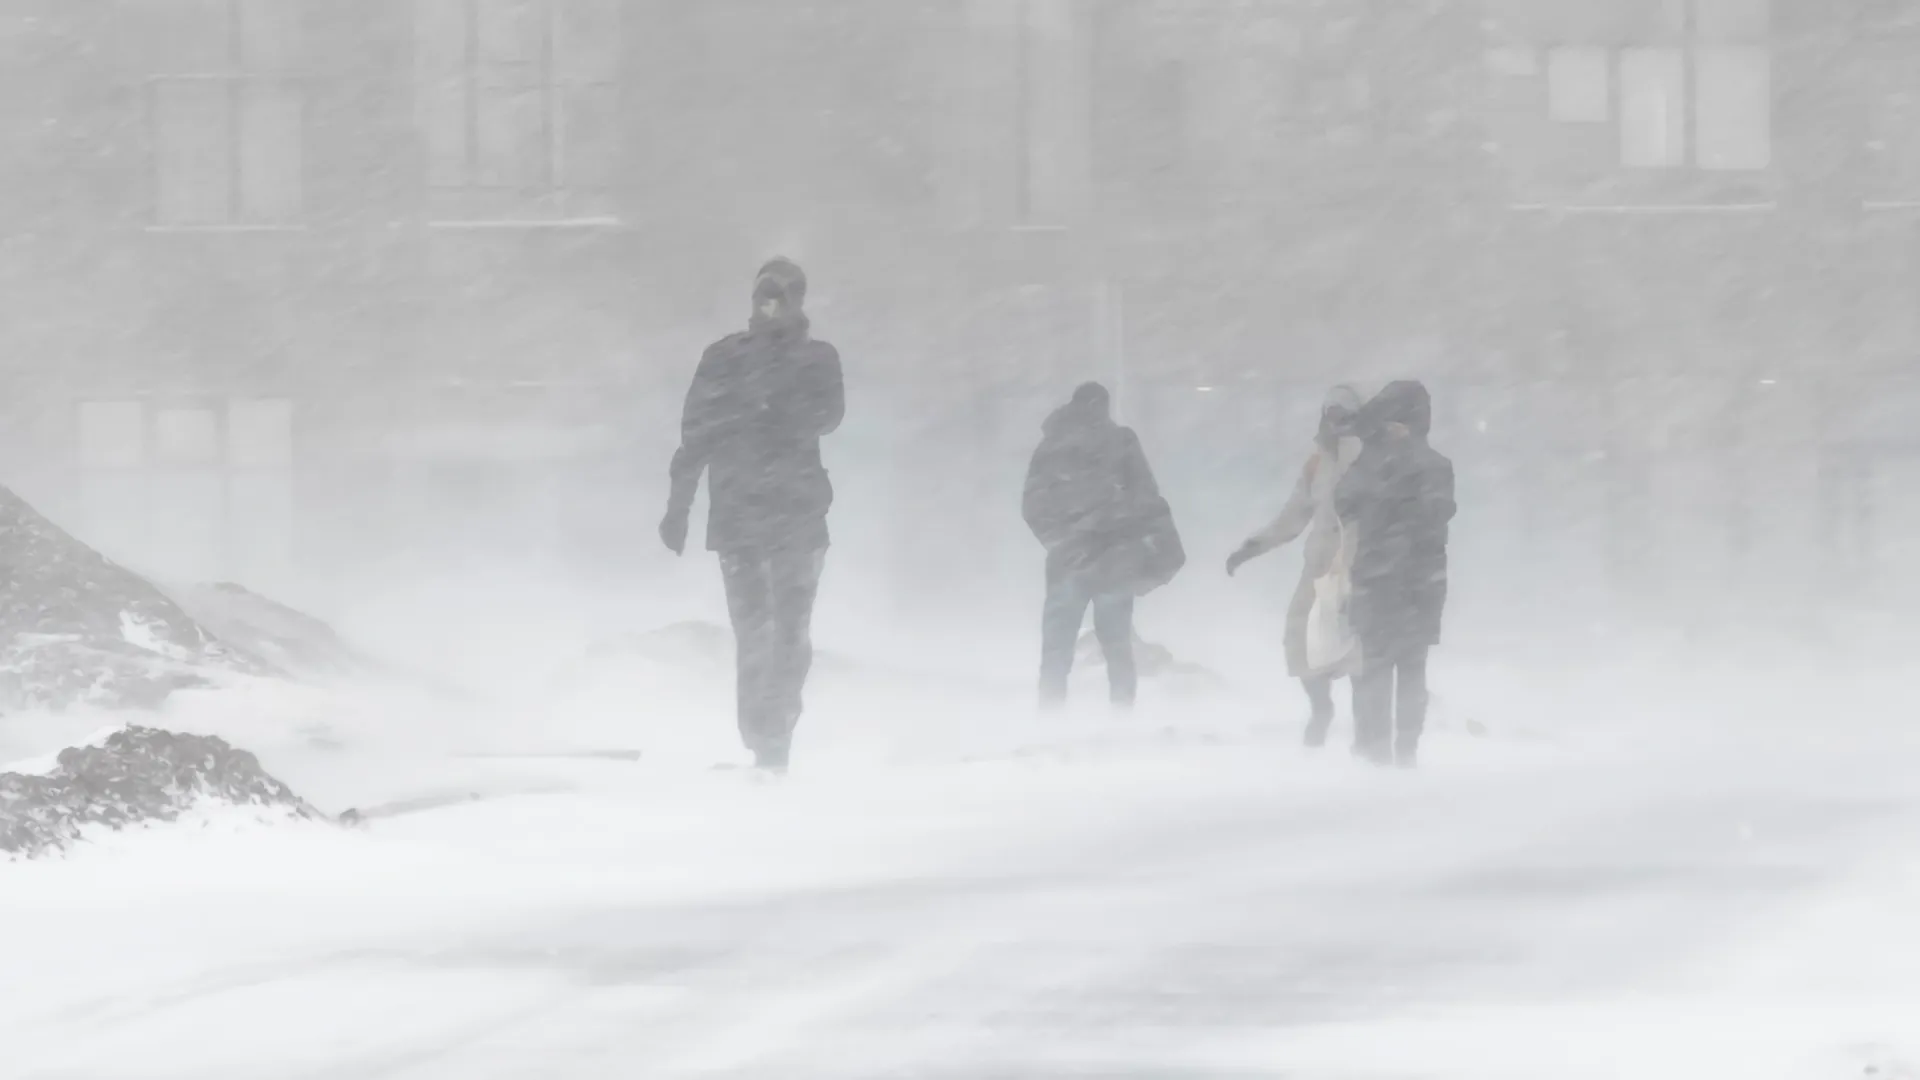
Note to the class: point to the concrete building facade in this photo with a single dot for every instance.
(352, 276)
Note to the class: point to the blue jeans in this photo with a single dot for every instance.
(1066, 608)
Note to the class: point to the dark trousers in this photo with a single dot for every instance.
(1066, 608)
(770, 600)
(1390, 703)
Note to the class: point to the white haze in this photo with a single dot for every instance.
(1666, 825)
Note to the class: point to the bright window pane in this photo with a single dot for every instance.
(272, 127)
(1653, 112)
(1578, 89)
(260, 434)
(269, 35)
(1734, 114)
(1733, 22)
(440, 36)
(587, 135)
(192, 151)
(112, 435)
(586, 44)
(1057, 118)
(186, 437)
(513, 31)
(442, 85)
(443, 110)
(183, 37)
(512, 126)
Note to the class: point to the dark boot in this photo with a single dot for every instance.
(1373, 712)
(1410, 709)
(1320, 696)
(1376, 754)
(772, 759)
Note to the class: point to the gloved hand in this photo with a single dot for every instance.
(673, 531)
(1240, 557)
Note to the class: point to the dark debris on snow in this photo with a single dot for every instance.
(138, 776)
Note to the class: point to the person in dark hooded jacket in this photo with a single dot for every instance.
(1398, 498)
(1092, 502)
(760, 402)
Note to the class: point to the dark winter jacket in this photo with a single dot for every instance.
(759, 404)
(1092, 502)
(1398, 499)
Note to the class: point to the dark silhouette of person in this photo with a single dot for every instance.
(1092, 502)
(1398, 499)
(758, 407)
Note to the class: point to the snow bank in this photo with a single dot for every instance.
(80, 630)
(292, 640)
(135, 776)
(1824, 990)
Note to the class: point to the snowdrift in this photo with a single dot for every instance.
(706, 649)
(1154, 661)
(693, 646)
(292, 640)
(79, 629)
(136, 776)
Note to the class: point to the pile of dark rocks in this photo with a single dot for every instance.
(137, 776)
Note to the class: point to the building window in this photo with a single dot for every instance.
(1653, 109)
(1694, 90)
(1579, 87)
(516, 102)
(260, 433)
(195, 490)
(186, 437)
(1733, 98)
(228, 114)
(112, 435)
(1052, 117)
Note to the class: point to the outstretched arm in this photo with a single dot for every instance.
(1294, 517)
(1285, 529)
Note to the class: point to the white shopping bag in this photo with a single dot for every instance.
(1331, 645)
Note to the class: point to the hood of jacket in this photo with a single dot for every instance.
(1405, 402)
(1090, 410)
(1072, 419)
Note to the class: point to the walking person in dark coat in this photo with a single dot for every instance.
(1092, 502)
(1398, 498)
(759, 404)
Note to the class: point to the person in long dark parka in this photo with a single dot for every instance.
(1398, 497)
(1092, 502)
(759, 405)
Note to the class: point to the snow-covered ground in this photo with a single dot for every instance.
(1630, 875)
